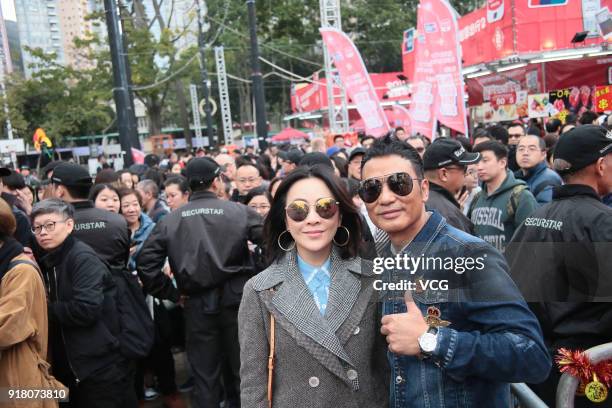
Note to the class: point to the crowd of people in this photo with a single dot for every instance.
(283, 274)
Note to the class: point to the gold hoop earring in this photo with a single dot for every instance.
(348, 237)
(281, 246)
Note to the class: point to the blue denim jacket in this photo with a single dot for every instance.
(492, 338)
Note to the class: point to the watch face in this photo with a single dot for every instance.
(428, 342)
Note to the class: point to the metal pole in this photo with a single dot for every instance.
(258, 87)
(121, 91)
(204, 73)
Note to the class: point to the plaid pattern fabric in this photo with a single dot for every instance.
(381, 240)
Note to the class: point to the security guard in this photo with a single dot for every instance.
(560, 255)
(106, 232)
(206, 245)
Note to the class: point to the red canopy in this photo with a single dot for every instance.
(289, 133)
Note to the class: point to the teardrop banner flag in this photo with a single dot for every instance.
(356, 80)
(438, 90)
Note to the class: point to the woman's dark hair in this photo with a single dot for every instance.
(257, 191)
(106, 176)
(341, 165)
(98, 188)
(275, 223)
(179, 181)
(124, 192)
(273, 183)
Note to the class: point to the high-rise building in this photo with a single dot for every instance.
(12, 33)
(73, 25)
(5, 52)
(39, 27)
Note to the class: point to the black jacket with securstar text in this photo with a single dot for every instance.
(206, 245)
(106, 232)
(560, 260)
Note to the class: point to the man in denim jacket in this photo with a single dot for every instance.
(462, 332)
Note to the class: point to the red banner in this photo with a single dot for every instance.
(439, 88)
(356, 80)
(603, 98)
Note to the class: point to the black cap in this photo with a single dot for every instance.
(443, 152)
(202, 169)
(581, 147)
(70, 174)
(5, 172)
(50, 167)
(356, 151)
(314, 158)
(294, 156)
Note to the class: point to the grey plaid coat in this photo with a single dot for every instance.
(334, 361)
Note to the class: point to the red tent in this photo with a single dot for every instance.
(289, 133)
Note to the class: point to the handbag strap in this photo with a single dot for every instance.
(271, 361)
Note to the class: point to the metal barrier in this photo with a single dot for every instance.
(566, 390)
(526, 397)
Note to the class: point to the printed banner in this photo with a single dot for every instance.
(356, 80)
(540, 107)
(603, 98)
(439, 88)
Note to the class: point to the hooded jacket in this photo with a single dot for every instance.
(490, 216)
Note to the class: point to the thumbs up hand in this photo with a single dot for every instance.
(403, 329)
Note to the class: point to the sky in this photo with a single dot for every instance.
(8, 11)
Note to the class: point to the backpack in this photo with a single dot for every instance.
(512, 204)
(137, 330)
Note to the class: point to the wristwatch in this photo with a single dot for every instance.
(428, 341)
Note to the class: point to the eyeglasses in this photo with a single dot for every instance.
(530, 149)
(399, 183)
(299, 209)
(459, 168)
(48, 226)
(250, 179)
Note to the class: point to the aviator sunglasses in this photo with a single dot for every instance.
(399, 183)
(298, 210)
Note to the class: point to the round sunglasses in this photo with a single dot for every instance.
(399, 183)
(298, 210)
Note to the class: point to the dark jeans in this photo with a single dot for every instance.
(211, 332)
(111, 388)
(161, 362)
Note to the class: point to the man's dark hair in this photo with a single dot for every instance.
(154, 175)
(541, 141)
(367, 137)
(499, 150)
(106, 176)
(553, 126)
(80, 192)
(587, 117)
(180, 182)
(275, 223)
(400, 128)
(499, 133)
(52, 206)
(465, 142)
(390, 146)
(571, 119)
(14, 181)
(481, 133)
(338, 136)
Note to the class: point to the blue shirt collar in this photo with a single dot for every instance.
(305, 267)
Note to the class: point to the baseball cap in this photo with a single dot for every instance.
(314, 158)
(443, 152)
(356, 151)
(202, 169)
(294, 156)
(580, 147)
(71, 174)
(5, 172)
